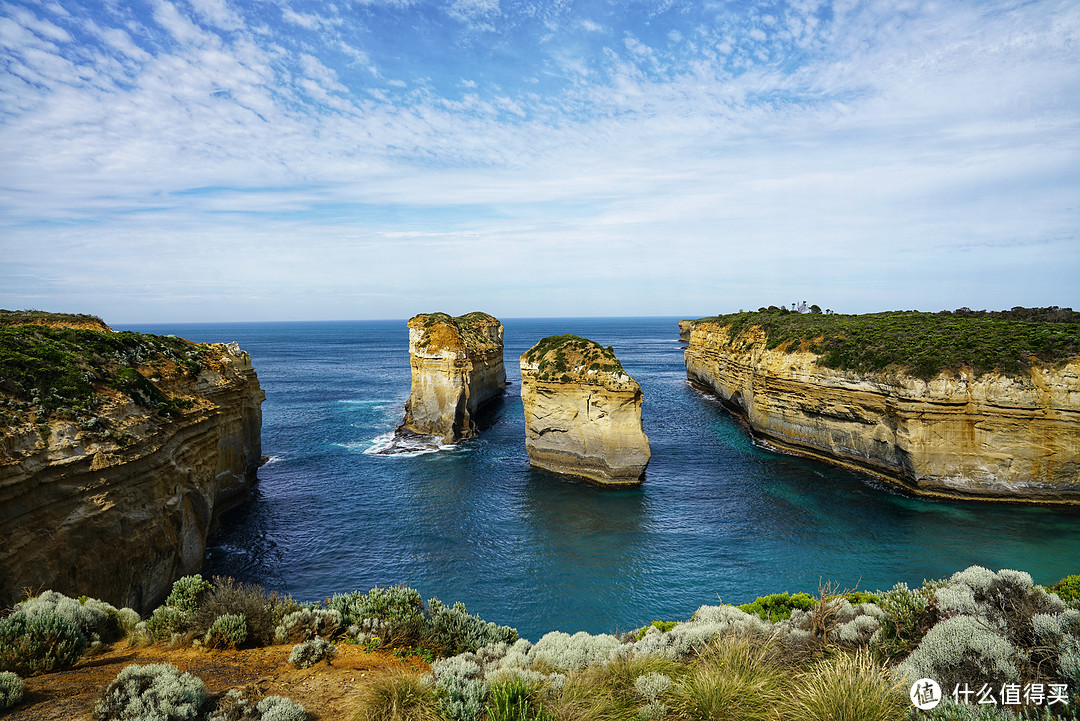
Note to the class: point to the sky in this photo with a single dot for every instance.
(228, 160)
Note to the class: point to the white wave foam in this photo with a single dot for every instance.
(391, 444)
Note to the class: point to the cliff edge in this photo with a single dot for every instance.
(119, 452)
(582, 412)
(457, 366)
(955, 432)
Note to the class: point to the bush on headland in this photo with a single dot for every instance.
(834, 656)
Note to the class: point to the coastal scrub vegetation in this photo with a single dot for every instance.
(471, 328)
(782, 657)
(65, 373)
(567, 356)
(923, 344)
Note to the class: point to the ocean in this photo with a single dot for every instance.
(716, 519)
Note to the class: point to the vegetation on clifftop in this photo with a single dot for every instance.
(63, 372)
(923, 344)
(566, 357)
(471, 328)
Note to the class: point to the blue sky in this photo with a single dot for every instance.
(203, 160)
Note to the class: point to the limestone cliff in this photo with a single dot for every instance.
(118, 454)
(684, 329)
(956, 434)
(582, 412)
(457, 366)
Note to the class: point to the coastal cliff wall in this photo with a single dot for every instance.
(582, 412)
(457, 366)
(994, 437)
(120, 505)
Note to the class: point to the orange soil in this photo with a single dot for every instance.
(327, 691)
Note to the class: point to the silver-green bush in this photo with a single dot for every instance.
(38, 643)
(452, 629)
(308, 623)
(461, 680)
(11, 689)
(279, 708)
(156, 692)
(309, 653)
(962, 649)
(98, 621)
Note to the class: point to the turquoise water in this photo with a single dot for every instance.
(717, 517)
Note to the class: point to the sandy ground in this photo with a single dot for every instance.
(327, 691)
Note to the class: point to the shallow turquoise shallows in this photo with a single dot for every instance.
(716, 519)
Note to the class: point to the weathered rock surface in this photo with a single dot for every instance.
(684, 329)
(582, 412)
(119, 510)
(991, 437)
(457, 366)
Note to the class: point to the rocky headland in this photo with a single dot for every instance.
(582, 412)
(983, 407)
(457, 367)
(119, 452)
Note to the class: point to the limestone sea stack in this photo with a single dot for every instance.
(119, 453)
(582, 412)
(954, 433)
(457, 366)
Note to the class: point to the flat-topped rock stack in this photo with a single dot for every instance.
(457, 366)
(582, 412)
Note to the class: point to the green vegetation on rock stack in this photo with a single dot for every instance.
(923, 344)
(469, 327)
(62, 372)
(558, 357)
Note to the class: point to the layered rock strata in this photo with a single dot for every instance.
(684, 329)
(120, 505)
(993, 437)
(582, 412)
(457, 366)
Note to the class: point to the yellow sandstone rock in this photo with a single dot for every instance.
(994, 437)
(582, 412)
(457, 366)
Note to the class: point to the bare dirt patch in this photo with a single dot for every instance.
(327, 691)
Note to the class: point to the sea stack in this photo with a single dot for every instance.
(457, 366)
(582, 412)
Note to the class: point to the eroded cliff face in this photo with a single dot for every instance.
(684, 329)
(119, 509)
(457, 366)
(582, 412)
(991, 437)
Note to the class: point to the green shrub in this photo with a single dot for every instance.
(309, 653)
(98, 621)
(262, 610)
(398, 609)
(234, 706)
(228, 631)
(398, 697)
(662, 626)
(308, 623)
(45, 641)
(845, 687)
(454, 630)
(909, 614)
(187, 592)
(778, 606)
(166, 621)
(11, 690)
(463, 687)
(156, 692)
(1068, 589)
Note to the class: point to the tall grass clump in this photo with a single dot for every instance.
(399, 696)
(737, 678)
(515, 699)
(845, 687)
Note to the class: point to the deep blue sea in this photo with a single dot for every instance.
(716, 518)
